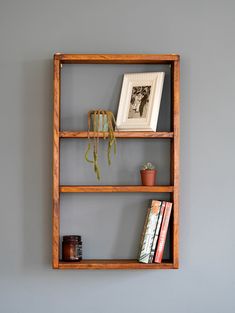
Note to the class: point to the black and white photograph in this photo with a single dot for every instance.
(139, 102)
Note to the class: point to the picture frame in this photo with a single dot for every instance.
(140, 101)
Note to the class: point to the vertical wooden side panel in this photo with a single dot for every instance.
(56, 167)
(175, 155)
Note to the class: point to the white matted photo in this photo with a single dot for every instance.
(140, 101)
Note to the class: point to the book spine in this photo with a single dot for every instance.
(163, 233)
(148, 232)
(157, 231)
(144, 230)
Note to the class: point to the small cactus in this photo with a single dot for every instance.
(148, 166)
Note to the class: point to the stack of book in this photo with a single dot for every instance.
(154, 233)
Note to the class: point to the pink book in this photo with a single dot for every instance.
(157, 231)
(163, 233)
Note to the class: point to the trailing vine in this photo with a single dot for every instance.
(93, 143)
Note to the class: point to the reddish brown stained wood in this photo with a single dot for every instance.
(175, 154)
(113, 264)
(174, 188)
(117, 58)
(120, 134)
(56, 167)
(116, 188)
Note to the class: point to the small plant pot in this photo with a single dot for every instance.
(148, 177)
(103, 124)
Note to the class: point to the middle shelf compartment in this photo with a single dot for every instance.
(124, 172)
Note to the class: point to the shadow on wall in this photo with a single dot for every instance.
(37, 100)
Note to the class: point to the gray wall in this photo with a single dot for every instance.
(202, 32)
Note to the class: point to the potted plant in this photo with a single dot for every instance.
(100, 121)
(148, 174)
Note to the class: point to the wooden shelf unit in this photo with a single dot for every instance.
(174, 61)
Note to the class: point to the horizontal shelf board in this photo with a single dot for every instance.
(113, 264)
(117, 58)
(118, 134)
(98, 188)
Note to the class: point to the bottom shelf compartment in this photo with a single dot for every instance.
(103, 264)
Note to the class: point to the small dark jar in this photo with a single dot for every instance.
(72, 248)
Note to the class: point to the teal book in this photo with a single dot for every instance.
(149, 231)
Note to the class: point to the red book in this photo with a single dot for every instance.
(163, 233)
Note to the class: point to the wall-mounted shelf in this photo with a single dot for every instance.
(173, 135)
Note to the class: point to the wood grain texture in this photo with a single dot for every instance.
(113, 265)
(118, 134)
(56, 167)
(175, 159)
(102, 189)
(171, 59)
(117, 58)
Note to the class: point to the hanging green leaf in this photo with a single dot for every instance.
(101, 119)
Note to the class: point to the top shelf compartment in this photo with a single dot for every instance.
(86, 87)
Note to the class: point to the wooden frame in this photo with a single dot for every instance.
(173, 135)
